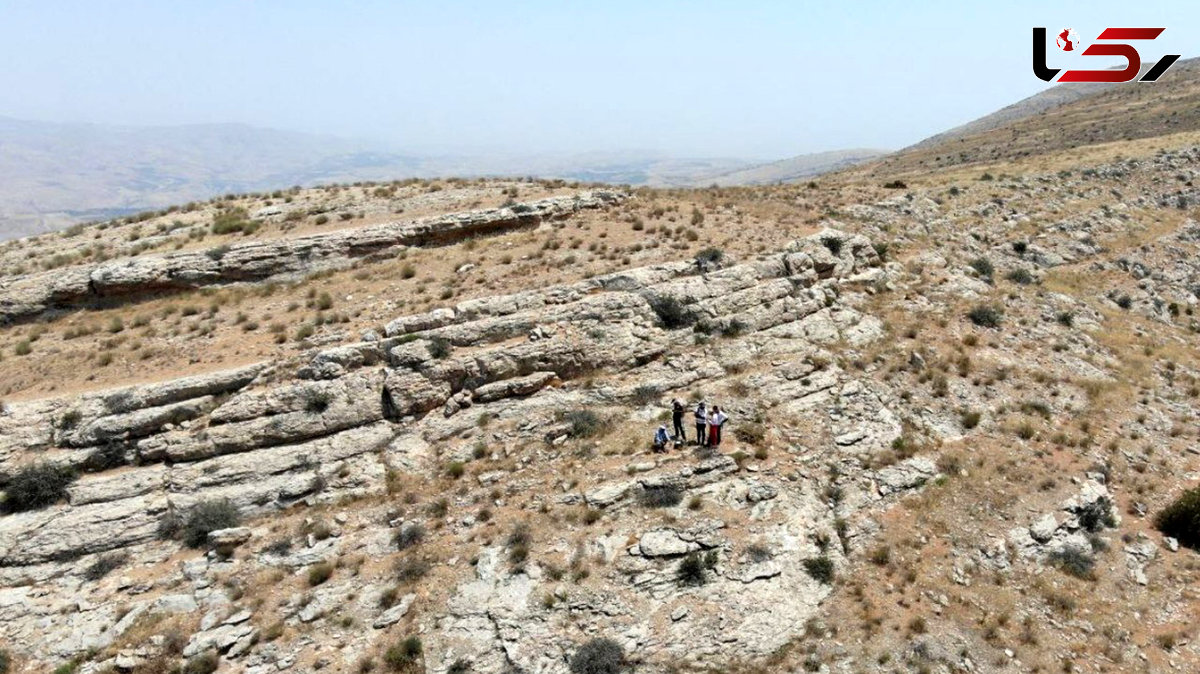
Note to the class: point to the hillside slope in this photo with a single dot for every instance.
(1062, 118)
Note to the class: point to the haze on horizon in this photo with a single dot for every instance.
(761, 80)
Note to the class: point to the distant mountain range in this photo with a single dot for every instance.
(55, 174)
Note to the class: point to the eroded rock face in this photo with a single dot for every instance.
(338, 426)
(27, 296)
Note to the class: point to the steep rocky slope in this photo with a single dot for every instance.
(956, 408)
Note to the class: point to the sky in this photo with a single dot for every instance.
(696, 78)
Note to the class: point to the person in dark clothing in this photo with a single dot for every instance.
(677, 418)
(701, 415)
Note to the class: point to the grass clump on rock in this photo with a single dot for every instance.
(37, 486)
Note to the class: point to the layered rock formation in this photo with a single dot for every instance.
(264, 439)
(24, 297)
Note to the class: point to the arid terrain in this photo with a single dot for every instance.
(406, 426)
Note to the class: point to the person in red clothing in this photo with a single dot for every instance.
(715, 421)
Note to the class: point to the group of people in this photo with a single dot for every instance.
(708, 426)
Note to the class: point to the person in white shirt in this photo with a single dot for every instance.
(716, 420)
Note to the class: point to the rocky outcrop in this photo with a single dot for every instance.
(25, 297)
(357, 412)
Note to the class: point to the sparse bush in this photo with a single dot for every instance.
(37, 486)
(439, 347)
(319, 573)
(691, 572)
(410, 570)
(1097, 515)
(664, 496)
(758, 553)
(455, 469)
(23, 348)
(583, 423)
(1181, 519)
(983, 266)
(1020, 247)
(205, 663)
(751, 433)
(316, 401)
(206, 517)
(1065, 318)
(404, 656)
(710, 256)
(1020, 276)
(970, 419)
(5, 661)
(409, 535)
(1125, 302)
(895, 185)
(1075, 562)
(833, 244)
(985, 316)
(820, 568)
(672, 314)
(598, 656)
(104, 565)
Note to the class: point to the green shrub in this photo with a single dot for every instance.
(206, 663)
(439, 347)
(833, 244)
(672, 314)
(455, 469)
(985, 316)
(1074, 562)
(750, 433)
(970, 419)
(710, 256)
(983, 267)
(404, 656)
(409, 535)
(691, 571)
(208, 516)
(598, 656)
(1181, 519)
(1097, 515)
(23, 348)
(1020, 276)
(583, 423)
(37, 486)
(664, 496)
(316, 402)
(820, 568)
(319, 573)
(104, 565)
(5, 661)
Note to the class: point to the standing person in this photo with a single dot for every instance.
(677, 417)
(715, 421)
(701, 415)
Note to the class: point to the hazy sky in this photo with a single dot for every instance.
(696, 78)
